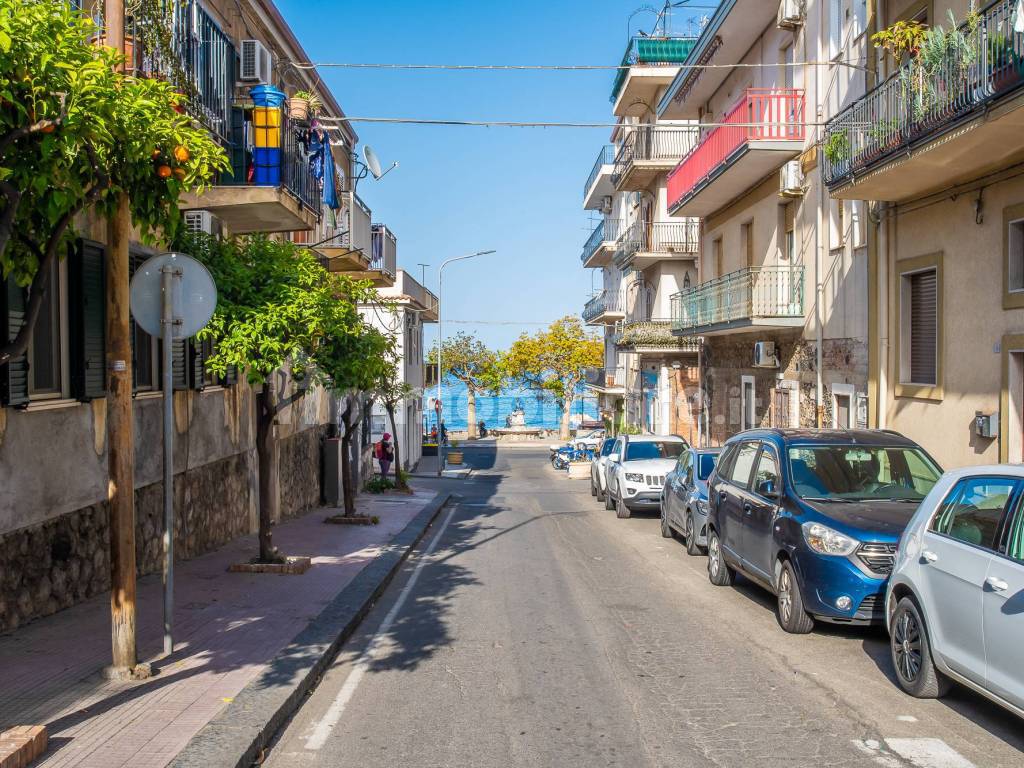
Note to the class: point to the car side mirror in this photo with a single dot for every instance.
(767, 489)
(613, 458)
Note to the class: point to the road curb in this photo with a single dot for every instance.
(236, 737)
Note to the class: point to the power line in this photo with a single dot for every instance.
(562, 67)
(780, 126)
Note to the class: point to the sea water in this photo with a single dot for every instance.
(541, 412)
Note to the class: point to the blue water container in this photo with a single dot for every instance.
(267, 96)
(266, 162)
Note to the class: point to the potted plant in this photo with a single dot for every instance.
(837, 150)
(455, 456)
(303, 106)
(579, 469)
(1003, 62)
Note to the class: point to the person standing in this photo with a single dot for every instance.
(385, 452)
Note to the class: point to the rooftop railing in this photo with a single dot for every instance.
(980, 60)
(753, 292)
(605, 157)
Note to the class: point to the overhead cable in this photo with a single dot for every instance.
(566, 67)
(781, 126)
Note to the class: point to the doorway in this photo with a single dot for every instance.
(748, 417)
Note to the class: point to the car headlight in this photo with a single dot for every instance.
(825, 541)
(632, 477)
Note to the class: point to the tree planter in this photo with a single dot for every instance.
(579, 470)
(454, 457)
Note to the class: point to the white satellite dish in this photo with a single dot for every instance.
(194, 295)
(372, 162)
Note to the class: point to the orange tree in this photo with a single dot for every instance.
(74, 135)
(554, 362)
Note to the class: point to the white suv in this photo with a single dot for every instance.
(636, 470)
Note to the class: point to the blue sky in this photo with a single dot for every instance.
(464, 189)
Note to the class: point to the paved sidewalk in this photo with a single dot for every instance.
(228, 626)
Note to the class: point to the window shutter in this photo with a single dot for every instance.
(230, 376)
(87, 320)
(197, 360)
(13, 375)
(180, 363)
(923, 328)
(236, 149)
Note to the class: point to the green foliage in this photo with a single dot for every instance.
(837, 148)
(467, 359)
(379, 485)
(312, 100)
(553, 361)
(73, 133)
(630, 429)
(900, 38)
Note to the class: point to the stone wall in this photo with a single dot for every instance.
(302, 471)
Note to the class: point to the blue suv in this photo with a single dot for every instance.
(815, 516)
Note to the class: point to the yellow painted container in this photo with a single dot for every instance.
(266, 123)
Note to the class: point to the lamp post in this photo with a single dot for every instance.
(440, 309)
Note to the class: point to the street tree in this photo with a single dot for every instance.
(467, 359)
(554, 362)
(77, 135)
(389, 392)
(278, 312)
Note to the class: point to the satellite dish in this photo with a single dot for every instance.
(372, 162)
(194, 295)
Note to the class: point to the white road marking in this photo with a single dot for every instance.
(322, 730)
(929, 753)
(906, 718)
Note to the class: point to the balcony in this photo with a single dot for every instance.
(606, 381)
(763, 131)
(288, 201)
(653, 337)
(926, 129)
(384, 256)
(599, 183)
(407, 290)
(652, 62)
(644, 244)
(647, 152)
(349, 250)
(755, 298)
(605, 308)
(601, 245)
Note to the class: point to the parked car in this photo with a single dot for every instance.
(598, 479)
(684, 499)
(591, 440)
(955, 601)
(814, 516)
(636, 470)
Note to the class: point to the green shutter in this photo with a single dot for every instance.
(87, 320)
(197, 359)
(179, 363)
(236, 149)
(14, 375)
(230, 376)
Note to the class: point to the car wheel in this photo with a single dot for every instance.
(791, 614)
(598, 492)
(692, 548)
(719, 574)
(609, 502)
(912, 654)
(593, 488)
(621, 510)
(666, 529)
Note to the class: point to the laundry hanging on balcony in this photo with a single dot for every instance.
(321, 165)
(1018, 23)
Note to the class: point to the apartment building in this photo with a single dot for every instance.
(937, 145)
(644, 256)
(53, 454)
(779, 304)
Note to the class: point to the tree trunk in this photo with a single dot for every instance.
(267, 454)
(399, 481)
(346, 473)
(566, 412)
(471, 413)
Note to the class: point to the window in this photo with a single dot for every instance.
(861, 473)
(739, 473)
(973, 509)
(767, 470)
(716, 254)
(860, 18)
(47, 346)
(919, 327)
(706, 465)
(747, 235)
(789, 249)
(1015, 545)
(835, 28)
(748, 417)
(1015, 254)
(843, 406)
(607, 446)
(617, 450)
(145, 348)
(653, 449)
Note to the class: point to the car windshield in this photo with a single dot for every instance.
(861, 473)
(706, 464)
(653, 449)
(607, 447)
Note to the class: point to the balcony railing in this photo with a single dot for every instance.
(385, 250)
(359, 226)
(659, 237)
(603, 303)
(761, 115)
(607, 230)
(606, 378)
(747, 294)
(665, 144)
(200, 60)
(923, 98)
(605, 157)
(652, 51)
(291, 171)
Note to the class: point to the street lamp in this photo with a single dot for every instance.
(440, 307)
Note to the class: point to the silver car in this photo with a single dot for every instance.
(684, 499)
(955, 600)
(598, 478)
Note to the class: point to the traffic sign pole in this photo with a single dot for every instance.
(169, 275)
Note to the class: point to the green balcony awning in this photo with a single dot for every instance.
(652, 50)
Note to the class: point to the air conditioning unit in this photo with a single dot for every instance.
(257, 62)
(791, 180)
(606, 205)
(791, 14)
(202, 221)
(764, 355)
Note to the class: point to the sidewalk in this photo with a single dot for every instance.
(427, 467)
(228, 628)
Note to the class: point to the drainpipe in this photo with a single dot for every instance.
(819, 334)
(877, 306)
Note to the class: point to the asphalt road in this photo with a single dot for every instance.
(533, 628)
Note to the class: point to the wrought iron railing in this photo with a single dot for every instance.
(927, 94)
(763, 114)
(607, 230)
(666, 144)
(605, 157)
(189, 49)
(606, 378)
(603, 303)
(754, 292)
(682, 237)
(296, 174)
(385, 250)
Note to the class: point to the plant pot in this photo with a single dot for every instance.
(454, 457)
(579, 470)
(429, 449)
(298, 109)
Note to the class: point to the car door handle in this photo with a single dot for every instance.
(929, 556)
(721, 496)
(747, 510)
(997, 584)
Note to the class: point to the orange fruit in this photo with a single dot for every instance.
(156, 154)
(164, 171)
(181, 154)
(179, 174)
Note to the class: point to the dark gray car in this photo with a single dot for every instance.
(684, 499)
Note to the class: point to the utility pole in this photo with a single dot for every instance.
(120, 438)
